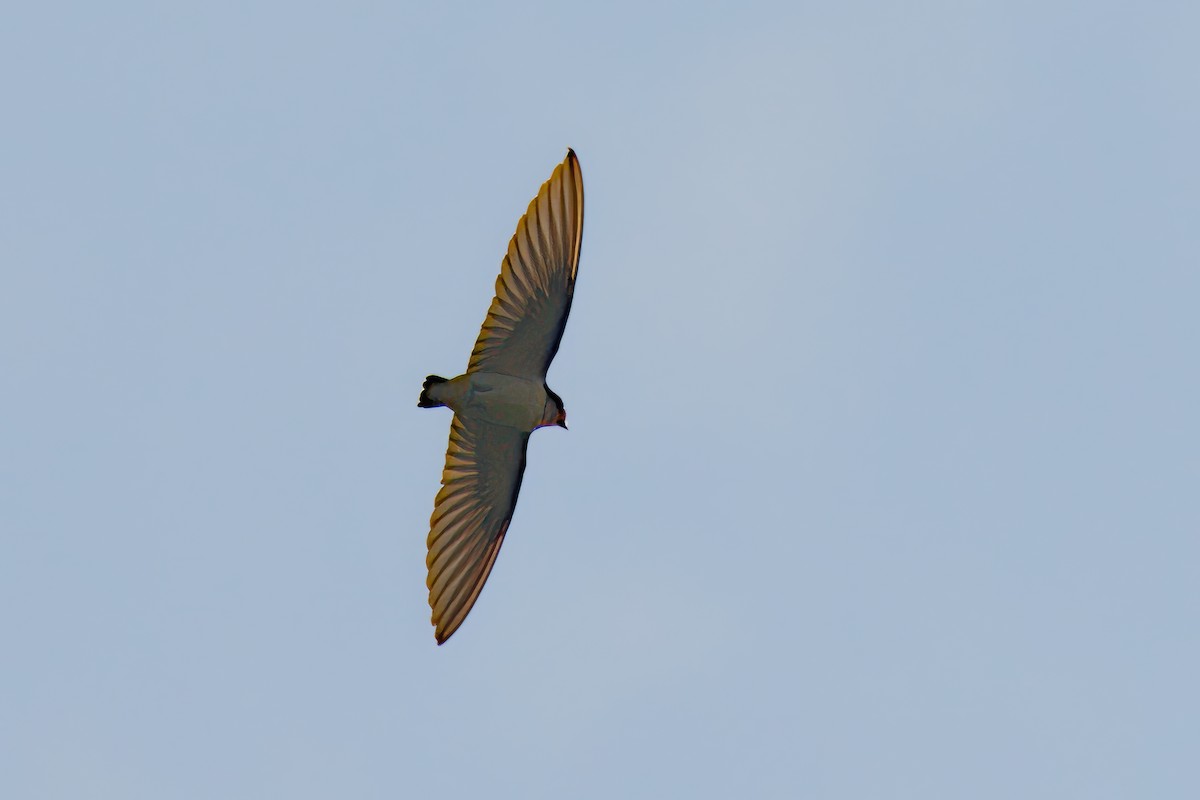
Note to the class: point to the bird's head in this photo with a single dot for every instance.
(554, 413)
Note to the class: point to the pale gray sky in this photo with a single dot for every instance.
(882, 473)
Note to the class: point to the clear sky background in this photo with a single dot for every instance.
(882, 477)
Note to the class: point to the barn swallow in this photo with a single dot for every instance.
(502, 398)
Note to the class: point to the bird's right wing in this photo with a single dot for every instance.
(537, 281)
(484, 465)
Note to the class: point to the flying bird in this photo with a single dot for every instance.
(502, 398)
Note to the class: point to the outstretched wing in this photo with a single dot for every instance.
(537, 280)
(484, 465)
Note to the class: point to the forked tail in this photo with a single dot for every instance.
(426, 401)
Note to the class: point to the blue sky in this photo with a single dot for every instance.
(882, 472)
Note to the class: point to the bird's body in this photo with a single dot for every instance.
(496, 398)
(502, 398)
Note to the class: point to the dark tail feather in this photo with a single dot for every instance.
(426, 401)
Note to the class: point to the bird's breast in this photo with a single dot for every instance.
(505, 400)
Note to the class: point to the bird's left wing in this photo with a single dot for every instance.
(537, 281)
(484, 465)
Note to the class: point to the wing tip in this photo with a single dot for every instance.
(441, 631)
